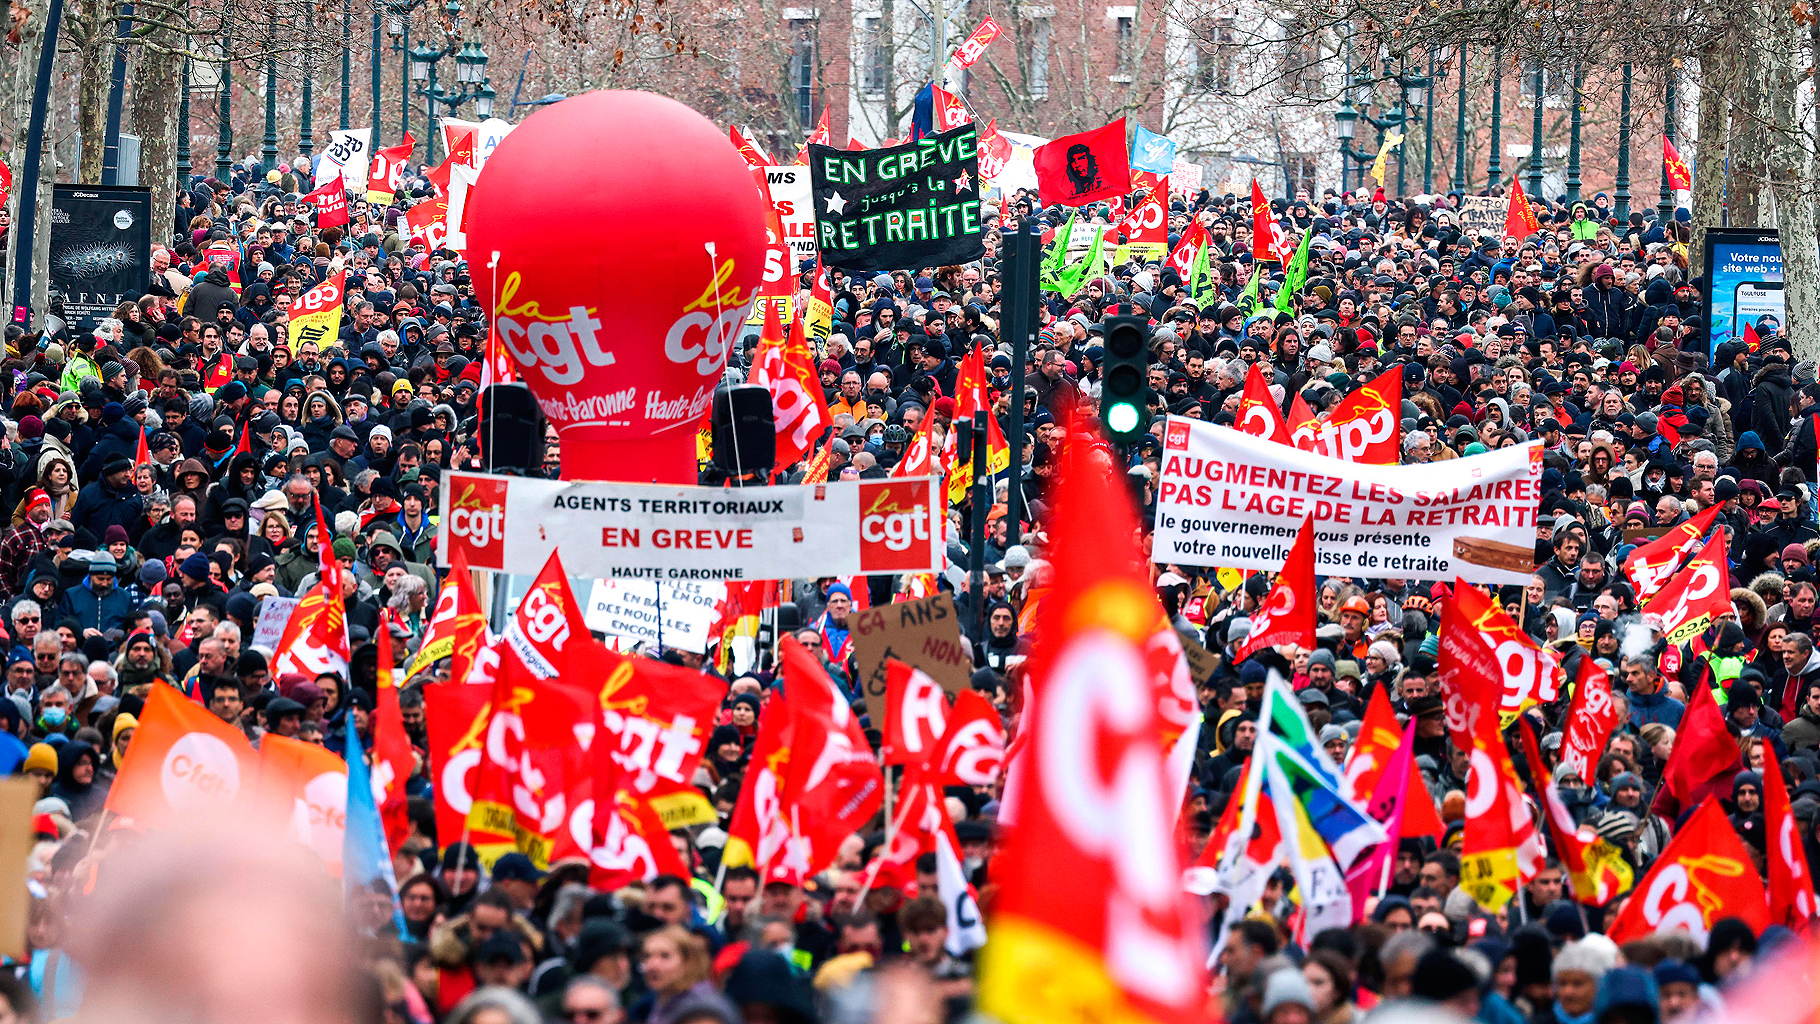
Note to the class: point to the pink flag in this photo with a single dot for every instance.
(1370, 873)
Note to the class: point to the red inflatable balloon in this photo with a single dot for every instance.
(618, 242)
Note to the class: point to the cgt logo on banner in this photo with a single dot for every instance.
(477, 520)
(652, 532)
(316, 314)
(894, 518)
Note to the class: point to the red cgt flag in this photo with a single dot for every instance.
(1091, 803)
(1650, 565)
(834, 784)
(1258, 412)
(1590, 721)
(1695, 596)
(972, 751)
(1287, 614)
(785, 366)
(1379, 737)
(1267, 239)
(755, 157)
(531, 755)
(1088, 167)
(1791, 884)
(1704, 874)
(1678, 175)
(1486, 657)
(331, 202)
(916, 713)
(393, 759)
(1704, 758)
(1751, 341)
(1519, 220)
(547, 627)
(1363, 427)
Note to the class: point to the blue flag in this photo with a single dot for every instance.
(1152, 152)
(366, 861)
(922, 113)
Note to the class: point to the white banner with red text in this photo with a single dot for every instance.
(1230, 499)
(615, 531)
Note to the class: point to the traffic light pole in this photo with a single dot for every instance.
(1018, 251)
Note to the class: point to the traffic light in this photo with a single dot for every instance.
(1124, 389)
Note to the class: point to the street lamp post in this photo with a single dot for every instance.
(1573, 141)
(1346, 122)
(470, 77)
(1622, 189)
(183, 131)
(1459, 132)
(373, 144)
(224, 130)
(1535, 149)
(347, 57)
(1665, 203)
(306, 142)
(268, 150)
(1494, 163)
(1428, 133)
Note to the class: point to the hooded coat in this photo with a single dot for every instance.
(209, 295)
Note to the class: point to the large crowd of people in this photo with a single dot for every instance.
(119, 572)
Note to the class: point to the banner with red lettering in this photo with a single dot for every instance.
(656, 531)
(1226, 498)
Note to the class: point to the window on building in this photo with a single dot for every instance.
(802, 69)
(875, 60)
(1127, 26)
(1033, 37)
(1215, 49)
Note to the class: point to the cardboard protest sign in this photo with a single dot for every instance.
(923, 634)
(1481, 216)
(16, 799)
(914, 205)
(274, 612)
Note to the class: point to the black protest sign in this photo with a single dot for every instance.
(908, 206)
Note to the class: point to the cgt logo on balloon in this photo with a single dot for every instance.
(477, 520)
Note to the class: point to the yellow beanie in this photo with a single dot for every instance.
(123, 721)
(42, 755)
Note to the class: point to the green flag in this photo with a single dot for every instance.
(1199, 274)
(1248, 299)
(1057, 256)
(1069, 280)
(1295, 276)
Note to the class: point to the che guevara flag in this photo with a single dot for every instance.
(1679, 176)
(1092, 805)
(1088, 167)
(1519, 220)
(1705, 873)
(1287, 614)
